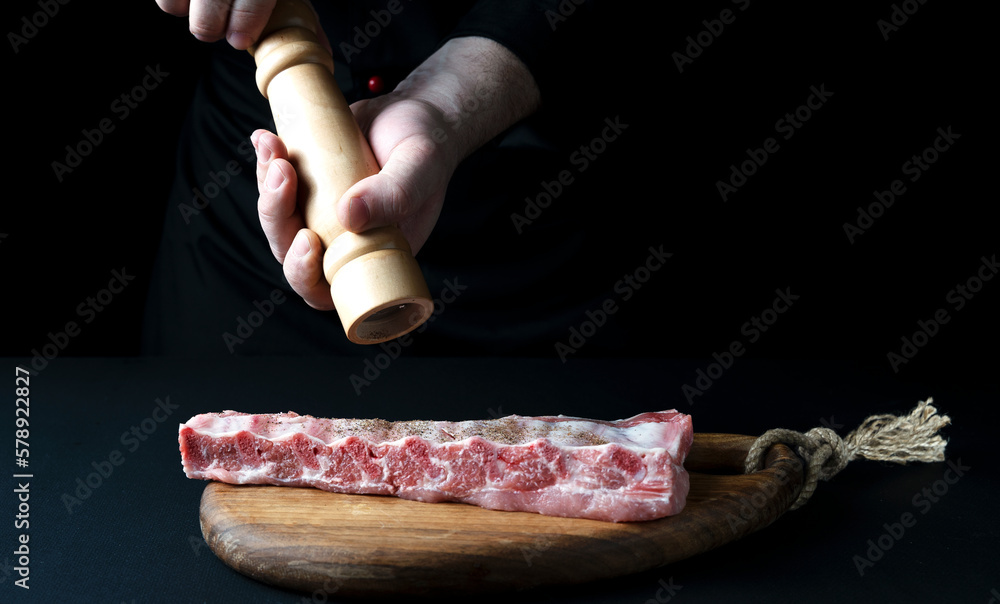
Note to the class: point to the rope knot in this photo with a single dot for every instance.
(902, 439)
(830, 451)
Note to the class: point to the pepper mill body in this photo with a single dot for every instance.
(376, 284)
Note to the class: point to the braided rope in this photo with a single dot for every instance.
(899, 439)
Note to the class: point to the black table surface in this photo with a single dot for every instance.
(877, 532)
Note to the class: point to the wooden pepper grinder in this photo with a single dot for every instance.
(376, 284)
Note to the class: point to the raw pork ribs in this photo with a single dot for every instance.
(625, 470)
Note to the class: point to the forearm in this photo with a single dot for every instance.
(479, 86)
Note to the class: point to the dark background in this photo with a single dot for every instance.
(64, 238)
(783, 229)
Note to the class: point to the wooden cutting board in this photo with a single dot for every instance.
(328, 543)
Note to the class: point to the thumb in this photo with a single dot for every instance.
(397, 192)
(373, 202)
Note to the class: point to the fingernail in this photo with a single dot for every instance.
(300, 246)
(357, 212)
(275, 178)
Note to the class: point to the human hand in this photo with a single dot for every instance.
(240, 22)
(418, 133)
(408, 191)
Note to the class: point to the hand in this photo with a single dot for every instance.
(408, 191)
(419, 134)
(240, 22)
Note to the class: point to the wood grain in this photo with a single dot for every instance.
(328, 543)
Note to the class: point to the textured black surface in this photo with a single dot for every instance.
(135, 536)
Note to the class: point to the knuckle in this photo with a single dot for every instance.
(206, 30)
(398, 202)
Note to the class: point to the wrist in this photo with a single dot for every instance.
(479, 87)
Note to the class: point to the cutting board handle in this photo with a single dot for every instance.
(720, 453)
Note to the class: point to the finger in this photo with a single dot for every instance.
(247, 19)
(268, 146)
(392, 195)
(177, 8)
(304, 270)
(355, 210)
(277, 210)
(277, 184)
(207, 19)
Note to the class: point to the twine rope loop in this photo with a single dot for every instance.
(898, 439)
